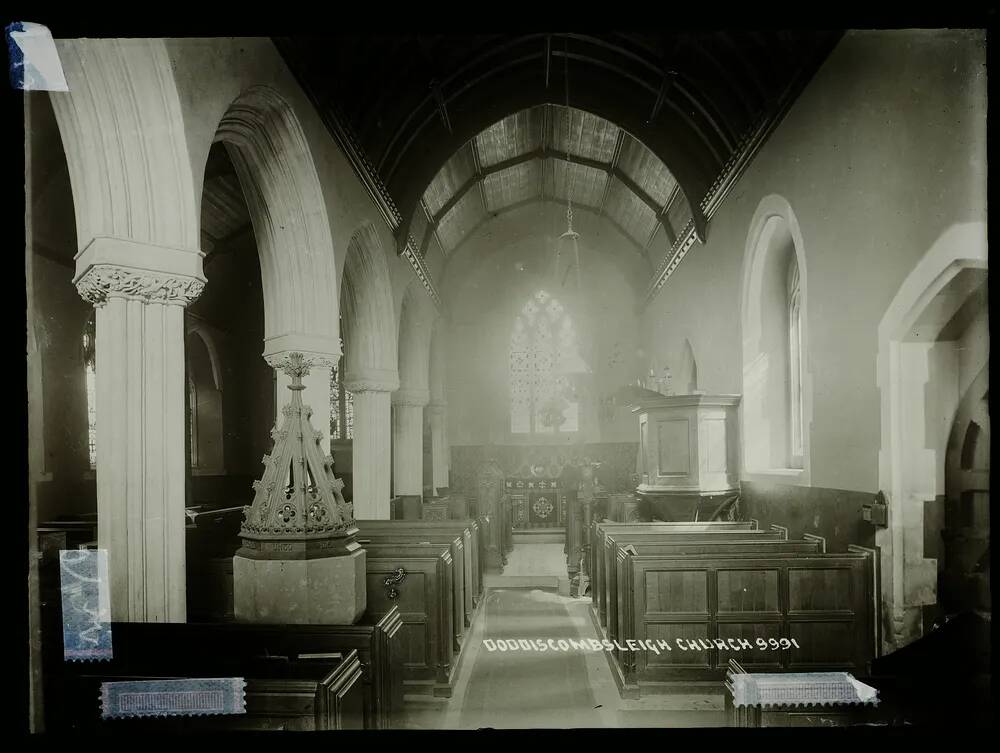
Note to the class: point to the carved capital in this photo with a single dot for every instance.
(104, 281)
(298, 364)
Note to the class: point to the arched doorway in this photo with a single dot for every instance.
(933, 342)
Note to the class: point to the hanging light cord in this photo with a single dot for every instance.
(569, 160)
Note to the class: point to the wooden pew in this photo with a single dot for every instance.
(604, 588)
(472, 531)
(824, 602)
(611, 582)
(257, 653)
(595, 534)
(463, 575)
(424, 598)
(619, 609)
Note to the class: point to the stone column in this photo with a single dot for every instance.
(439, 448)
(372, 444)
(141, 419)
(408, 442)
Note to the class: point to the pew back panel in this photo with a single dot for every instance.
(472, 531)
(819, 601)
(622, 574)
(465, 576)
(606, 586)
(424, 600)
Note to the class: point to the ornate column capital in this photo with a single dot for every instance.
(437, 406)
(112, 267)
(104, 281)
(298, 363)
(416, 398)
(371, 380)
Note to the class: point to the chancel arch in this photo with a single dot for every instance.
(776, 405)
(370, 369)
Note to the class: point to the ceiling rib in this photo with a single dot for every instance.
(543, 154)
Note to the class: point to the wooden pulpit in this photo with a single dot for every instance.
(688, 456)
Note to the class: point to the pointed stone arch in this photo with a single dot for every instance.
(368, 313)
(416, 325)
(371, 369)
(276, 170)
(126, 148)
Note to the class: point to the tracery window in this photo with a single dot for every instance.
(542, 399)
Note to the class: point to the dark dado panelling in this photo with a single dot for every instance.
(617, 459)
(834, 514)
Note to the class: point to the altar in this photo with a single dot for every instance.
(536, 503)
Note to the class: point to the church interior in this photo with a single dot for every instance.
(504, 381)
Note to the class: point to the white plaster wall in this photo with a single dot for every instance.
(881, 154)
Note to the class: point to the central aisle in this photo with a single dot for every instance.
(511, 689)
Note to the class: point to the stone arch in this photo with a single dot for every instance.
(298, 266)
(774, 239)
(416, 324)
(123, 134)
(368, 313)
(910, 473)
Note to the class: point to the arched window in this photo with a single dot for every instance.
(794, 364)
(89, 343)
(193, 420)
(542, 400)
(775, 404)
(341, 403)
(204, 395)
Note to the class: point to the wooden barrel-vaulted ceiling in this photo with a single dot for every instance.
(413, 100)
(551, 153)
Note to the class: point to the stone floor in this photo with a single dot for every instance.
(552, 689)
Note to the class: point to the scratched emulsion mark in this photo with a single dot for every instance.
(34, 60)
(196, 696)
(86, 604)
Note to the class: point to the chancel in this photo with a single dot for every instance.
(444, 381)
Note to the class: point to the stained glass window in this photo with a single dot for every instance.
(541, 400)
(90, 376)
(193, 420)
(341, 405)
